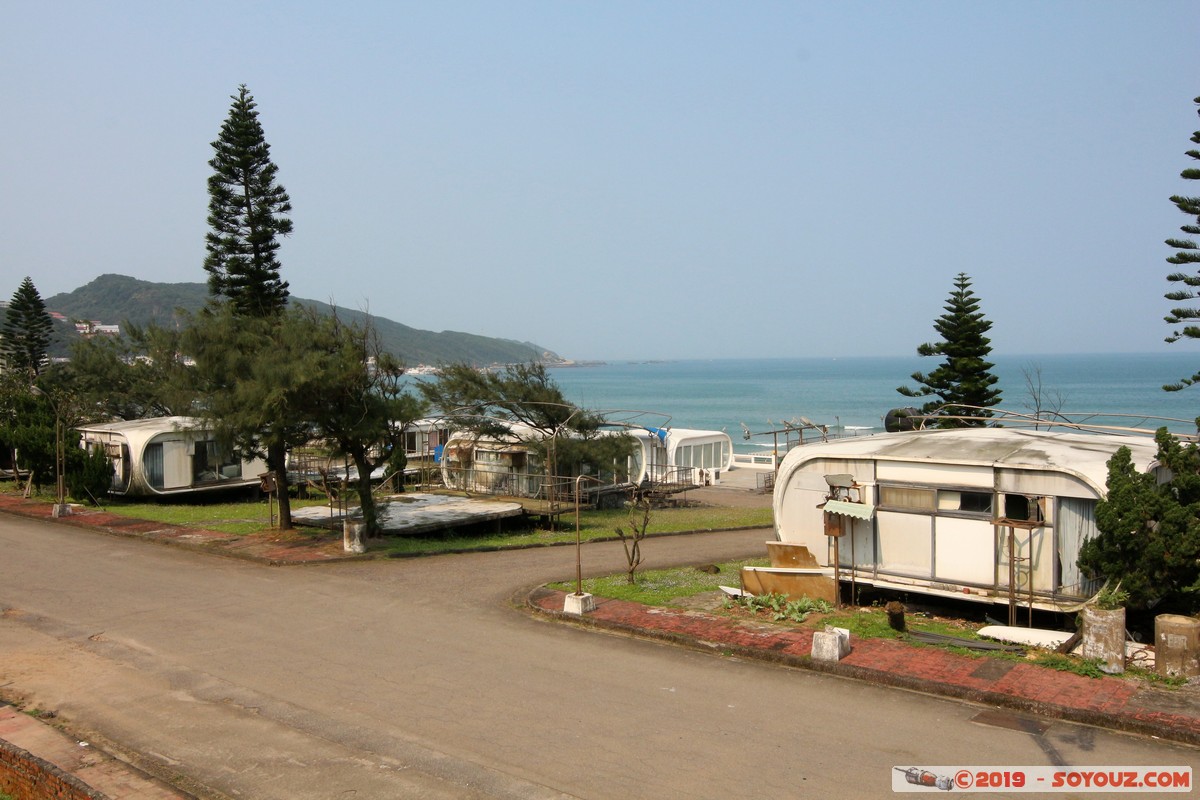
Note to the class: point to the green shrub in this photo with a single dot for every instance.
(89, 474)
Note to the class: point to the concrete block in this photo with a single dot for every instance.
(579, 604)
(831, 644)
(1177, 645)
(1104, 637)
(352, 537)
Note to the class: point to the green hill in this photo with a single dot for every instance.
(123, 300)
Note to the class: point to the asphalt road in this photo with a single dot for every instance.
(417, 678)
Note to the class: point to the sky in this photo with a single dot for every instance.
(629, 180)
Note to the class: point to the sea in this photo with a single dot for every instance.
(853, 395)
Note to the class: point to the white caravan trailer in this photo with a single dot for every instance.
(169, 456)
(988, 514)
(493, 465)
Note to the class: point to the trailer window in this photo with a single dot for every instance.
(1023, 507)
(929, 500)
(152, 464)
(967, 502)
(210, 463)
(907, 498)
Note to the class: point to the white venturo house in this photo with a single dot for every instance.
(990, 514)
(169, 456)
(680, 454)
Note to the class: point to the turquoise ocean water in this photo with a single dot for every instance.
(723, 393)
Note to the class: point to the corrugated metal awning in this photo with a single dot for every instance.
(844, 507)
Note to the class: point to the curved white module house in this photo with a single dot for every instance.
(989, 514)
(169, 456)
(669, 454)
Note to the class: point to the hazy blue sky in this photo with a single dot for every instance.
(629, 179)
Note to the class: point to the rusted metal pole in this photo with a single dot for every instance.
(578, 543)
(579, 537)
(853, 568)
(1031, 577)
(1012, 577)
(837, 575)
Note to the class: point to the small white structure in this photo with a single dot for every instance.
(680, 455)
(168, 456)
(988, 514)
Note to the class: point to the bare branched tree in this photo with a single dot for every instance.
(639, 522)
(1044, 403)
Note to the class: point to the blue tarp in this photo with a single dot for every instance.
(661, 433)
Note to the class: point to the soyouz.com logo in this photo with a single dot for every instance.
(1041, 779)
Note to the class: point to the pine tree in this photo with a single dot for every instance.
(244, 373)
(1149, 531)
(28, 328)
(964, 380)
(246, 213)
(1188, 253)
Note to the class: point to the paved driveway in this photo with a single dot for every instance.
(417, 678)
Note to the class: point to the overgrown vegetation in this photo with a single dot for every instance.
(780, 607)
(1087, 667)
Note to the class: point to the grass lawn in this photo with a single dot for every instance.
(593, 525)
(664, 587)
(249, 517)
(239, 518)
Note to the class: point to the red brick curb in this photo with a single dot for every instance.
(1113, 703)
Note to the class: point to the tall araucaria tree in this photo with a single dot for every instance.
(964, 380)
(247, 212)
(1187, 255)
(28, 329)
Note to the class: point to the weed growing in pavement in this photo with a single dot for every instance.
(1089, 668)
(1150, 676)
